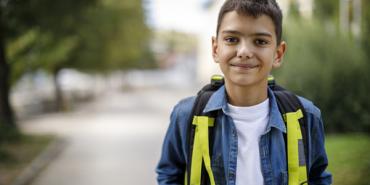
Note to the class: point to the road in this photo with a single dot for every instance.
(113, 140)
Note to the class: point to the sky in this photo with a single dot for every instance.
(182, 15)
(189, 15)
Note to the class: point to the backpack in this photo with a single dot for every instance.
(200, 132)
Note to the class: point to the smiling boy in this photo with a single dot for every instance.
(246, 54)
(248, 139)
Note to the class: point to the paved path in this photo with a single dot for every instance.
(115, 140)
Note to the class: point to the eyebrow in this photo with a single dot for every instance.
(265, 34)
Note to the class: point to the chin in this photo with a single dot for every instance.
(243, 81)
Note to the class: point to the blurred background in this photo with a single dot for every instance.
(86, 87)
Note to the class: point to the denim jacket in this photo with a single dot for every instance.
(172, 165)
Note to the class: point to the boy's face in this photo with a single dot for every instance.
(246, 49)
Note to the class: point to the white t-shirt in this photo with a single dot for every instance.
(250, 124)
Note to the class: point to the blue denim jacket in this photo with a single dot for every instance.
(171, 167)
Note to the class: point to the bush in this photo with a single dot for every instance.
(331, 70)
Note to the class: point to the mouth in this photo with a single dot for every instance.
(245, 66)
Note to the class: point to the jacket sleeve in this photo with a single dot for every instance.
(319, 161)
(172, 163)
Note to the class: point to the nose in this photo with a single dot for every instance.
(244, 51)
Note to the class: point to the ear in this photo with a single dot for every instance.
(279, 54)
(214, 49)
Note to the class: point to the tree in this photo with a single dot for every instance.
(111, 35)
(89, 35)
(6, 112)
(18, 17)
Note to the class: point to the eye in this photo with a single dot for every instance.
(261, 42)
(231, 40)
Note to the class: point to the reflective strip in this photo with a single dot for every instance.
(201, 150)
(297, 174)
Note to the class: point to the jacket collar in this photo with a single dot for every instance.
(218, 101)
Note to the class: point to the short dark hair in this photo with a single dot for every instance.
(254, 8)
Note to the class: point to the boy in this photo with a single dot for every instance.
(248, 138)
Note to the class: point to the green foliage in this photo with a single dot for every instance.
(294, 10)
(328, 9)
(40, 33)
(36, 50)
(330, 70)
(98, 36)
(49, 16)
(113, 36)
(366, 26)
(348, 158)
(91, 35)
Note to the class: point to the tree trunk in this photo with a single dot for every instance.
(6, 114)
(59, 98)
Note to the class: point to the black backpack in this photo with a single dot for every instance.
(287, 103)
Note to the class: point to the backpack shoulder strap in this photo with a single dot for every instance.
(199, 163)
(296, 139)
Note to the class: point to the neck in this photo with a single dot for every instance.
(246, 96)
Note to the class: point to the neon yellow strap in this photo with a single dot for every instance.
(297, 174)
(217, 77)
(186, 178)
(201, 150)
(270, 78)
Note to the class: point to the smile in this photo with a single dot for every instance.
(245, 66)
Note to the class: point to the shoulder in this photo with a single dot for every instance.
(310, 107)
(179, 120)
(185, 105)
(182, 109)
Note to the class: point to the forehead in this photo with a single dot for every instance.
(247, 24)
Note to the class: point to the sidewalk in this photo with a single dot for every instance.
(114, 140)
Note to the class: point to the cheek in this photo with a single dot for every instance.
(267, 56)
(226, 53)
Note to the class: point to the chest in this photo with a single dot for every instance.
(227, 142)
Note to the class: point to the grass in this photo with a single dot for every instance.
(349, 160)
(16, 155)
